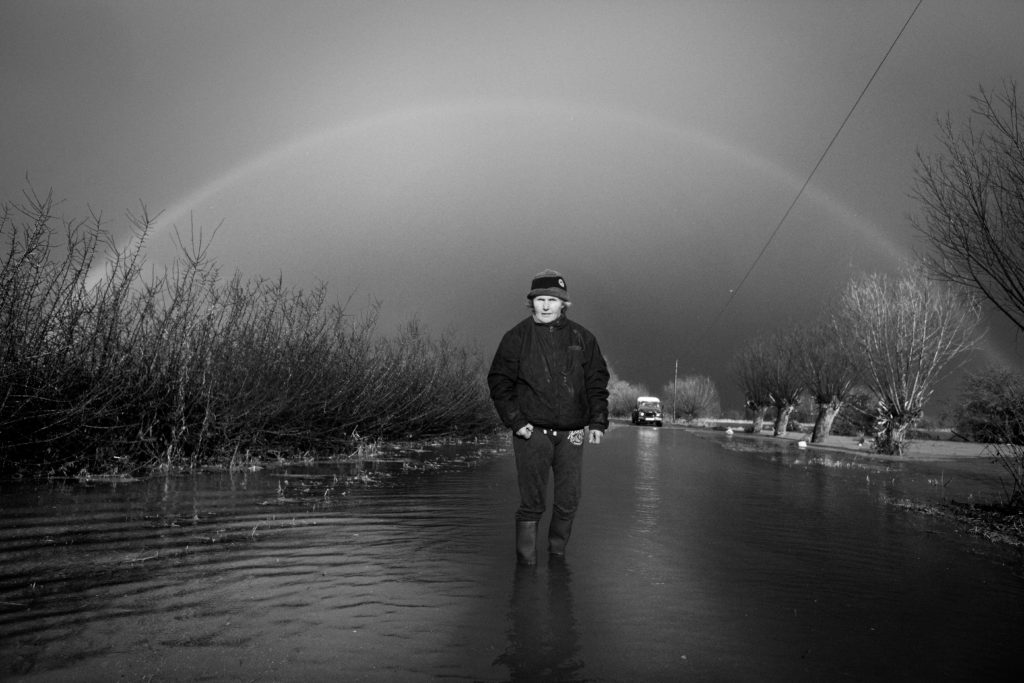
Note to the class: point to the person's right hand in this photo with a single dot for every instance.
(525, 431)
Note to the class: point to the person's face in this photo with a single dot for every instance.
(546, 309)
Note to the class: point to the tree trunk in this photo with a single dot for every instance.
(891, 438)
(758, 423)
(782, 419)
(823, 423)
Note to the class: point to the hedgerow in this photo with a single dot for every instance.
(108, 366)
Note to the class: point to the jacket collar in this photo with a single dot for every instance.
(558, 323)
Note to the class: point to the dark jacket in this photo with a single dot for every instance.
(550, 375)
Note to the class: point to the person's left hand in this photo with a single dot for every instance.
(595, 435)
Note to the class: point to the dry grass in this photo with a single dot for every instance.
(924, 449)
(917, 449)
(999, 523)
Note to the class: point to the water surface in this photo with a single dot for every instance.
(691, 559)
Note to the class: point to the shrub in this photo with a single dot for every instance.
(122, 373)
(991, 407)
(693, 396)
(622, 397)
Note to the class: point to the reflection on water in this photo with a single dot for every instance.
(543, 644)
(646, 484)
(688, 560)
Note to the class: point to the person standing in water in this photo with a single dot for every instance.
(549, 385)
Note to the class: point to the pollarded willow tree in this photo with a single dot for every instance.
(783, 378)
(971, 197)
(748, 369)
(903, 333)
(829, 373)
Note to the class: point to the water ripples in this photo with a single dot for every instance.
(687, 560)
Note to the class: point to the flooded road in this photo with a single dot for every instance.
(691, 559)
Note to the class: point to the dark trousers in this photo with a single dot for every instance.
(559, 452)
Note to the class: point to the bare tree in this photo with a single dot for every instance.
(829, 373)
(972, 202)
(748, 369)
(783, 377)
(903, 332)
(696, 397)
(622, 396)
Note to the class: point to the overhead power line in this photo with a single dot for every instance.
(734, 291)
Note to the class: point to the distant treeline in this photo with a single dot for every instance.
(109, 366)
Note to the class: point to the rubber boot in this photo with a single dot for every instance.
(526, 542)
(558, 535)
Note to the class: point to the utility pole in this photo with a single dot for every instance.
(675, 385)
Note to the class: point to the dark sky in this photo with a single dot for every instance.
(436, 155)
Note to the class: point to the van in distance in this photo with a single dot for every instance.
(647, 411)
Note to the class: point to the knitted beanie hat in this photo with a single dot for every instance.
(548, 283)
